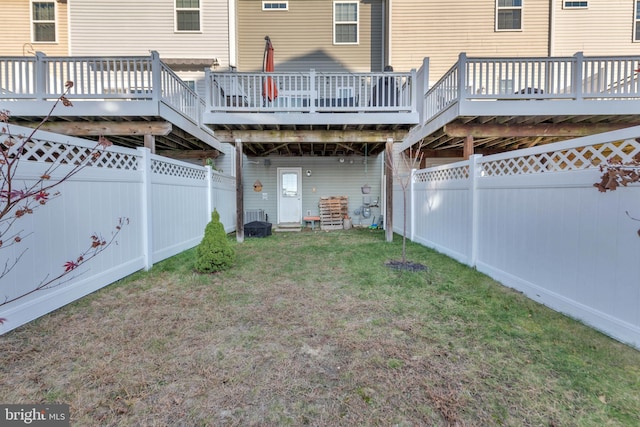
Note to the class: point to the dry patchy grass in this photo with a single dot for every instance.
(314, 329)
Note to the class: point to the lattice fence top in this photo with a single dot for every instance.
(171, 169)
(445, 174)
(563, 160)
(41, 150)
(218, 178)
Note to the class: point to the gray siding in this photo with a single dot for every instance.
(226, 162)
(329, 178)
(303, 37)
(124, 27)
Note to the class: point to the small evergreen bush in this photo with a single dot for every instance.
(214, 252)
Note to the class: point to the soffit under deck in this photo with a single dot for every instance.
(311, 140)
(498, 134)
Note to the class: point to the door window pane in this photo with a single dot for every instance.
(290, 184)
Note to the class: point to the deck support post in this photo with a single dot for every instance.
(239, 194)
(467, 150)
(150, 142)
(388, 203)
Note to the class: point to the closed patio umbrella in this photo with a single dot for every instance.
(269, 88)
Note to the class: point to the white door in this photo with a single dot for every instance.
(290, 195)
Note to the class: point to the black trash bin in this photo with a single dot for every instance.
(257, 229)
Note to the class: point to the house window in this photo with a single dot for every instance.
(345, 22)
(636, 23)
(575, 4)
(43, 16)
(275, 5)
(509, 15)
(187, 15)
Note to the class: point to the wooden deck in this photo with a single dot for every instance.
(481, 105)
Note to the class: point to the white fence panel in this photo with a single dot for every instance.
(223, 198)
(442, 210)
(166, 203)
(533, 220)
(398, 210)
(179, 204)
(91, 202)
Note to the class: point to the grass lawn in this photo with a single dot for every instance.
(313, 328)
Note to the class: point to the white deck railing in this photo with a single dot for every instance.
(559, 78)
(43, 78)
(576, 78)
(310, 92)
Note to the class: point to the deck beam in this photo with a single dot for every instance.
(249, 137)
(106, 128)
(572, 130)
(189, 154)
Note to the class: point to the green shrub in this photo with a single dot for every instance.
(214, 252)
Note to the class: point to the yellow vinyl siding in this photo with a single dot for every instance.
(303, 37)
(15, 30)
(605, 28)
(441, 29)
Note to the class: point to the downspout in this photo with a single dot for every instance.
(387, 34)
(384, 35)
(552, 26)
(233, 31)
(69, 30)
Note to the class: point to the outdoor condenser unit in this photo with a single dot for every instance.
(252, 215)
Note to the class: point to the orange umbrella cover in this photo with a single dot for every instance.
(269, 88)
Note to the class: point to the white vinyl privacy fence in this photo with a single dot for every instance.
(533, 220)
(167, 204)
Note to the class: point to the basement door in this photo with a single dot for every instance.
(290, 195)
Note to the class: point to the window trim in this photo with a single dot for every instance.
(276, 9)
(635, 37)
(356, 22)
(565, 5)
(499, 8)
(34, 22)
(176, 9)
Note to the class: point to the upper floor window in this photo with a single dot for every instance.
(509, 15)
(275, 5)
(575, 4)
(636, 23)
(187, 15)
(43, 17)
(345, 22)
